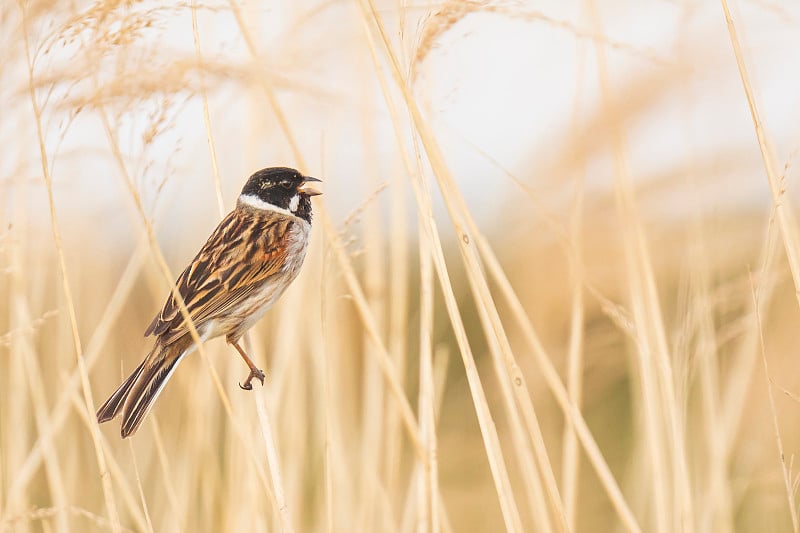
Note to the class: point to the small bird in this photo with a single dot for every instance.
(242, 269)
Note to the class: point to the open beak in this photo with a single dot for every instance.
(309, 191)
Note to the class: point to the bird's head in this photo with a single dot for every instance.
(280, 188)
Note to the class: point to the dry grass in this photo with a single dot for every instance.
(605, 353)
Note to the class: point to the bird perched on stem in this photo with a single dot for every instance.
(242, 269)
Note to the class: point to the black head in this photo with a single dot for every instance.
(281, 187)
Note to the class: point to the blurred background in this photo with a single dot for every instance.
(552, 283)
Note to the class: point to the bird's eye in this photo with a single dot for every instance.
(286, 184)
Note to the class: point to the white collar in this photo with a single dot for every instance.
(257, 203)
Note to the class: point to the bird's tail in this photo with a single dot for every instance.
(114, 404)
(135, 397)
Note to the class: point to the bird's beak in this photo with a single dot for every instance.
(310, 191)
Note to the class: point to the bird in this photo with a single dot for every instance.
(246, 264)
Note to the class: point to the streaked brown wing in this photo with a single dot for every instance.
(242, 253)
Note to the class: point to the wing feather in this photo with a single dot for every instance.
(243, 252)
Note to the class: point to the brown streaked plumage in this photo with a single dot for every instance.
(242, 269)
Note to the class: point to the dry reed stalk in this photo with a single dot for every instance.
(427, 503)
(492, 325)
(419, 488)
(46, 513)
(570, 457)
(783, 213)
(488, 429)
(398, 315)
(140, 489)
(570, 468)
(22, 344)
(274, 464)
(327, 400)
(440, 364)
(487, 312)
(373, 411)
(14, 449)
(114, 472)
(488, 432)
(58, 414)
(785, 221)
(713, 505)
(434, 247)
(383, 357)
(553, 381)
(551, 377)
(212, 152)
(397, 311)
(108, 494)
(167, 477)
(290, 375)
(735, 395)
(785, 472)
(651, 386)
(663, 418)
(716, 512)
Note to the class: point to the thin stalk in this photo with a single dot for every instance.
(428, 516)
(487, 312)
(274, 464)
(785, 473)
(488, 431)
(783, 211)
(570, 462)
(663, 420)
(94, 430)
(206, 115)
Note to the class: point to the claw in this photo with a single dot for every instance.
(254, 373)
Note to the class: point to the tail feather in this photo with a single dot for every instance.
(149, 385)
(113, 405)
(135, 397)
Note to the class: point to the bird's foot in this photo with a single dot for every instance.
(254, 373)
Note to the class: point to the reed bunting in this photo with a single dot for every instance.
(244, 267)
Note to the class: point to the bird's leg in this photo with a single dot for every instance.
(255, 372)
